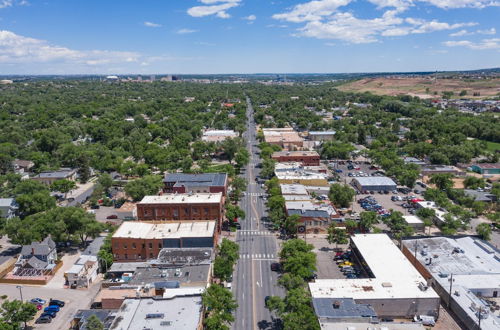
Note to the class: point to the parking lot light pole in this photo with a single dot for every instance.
(20, 287)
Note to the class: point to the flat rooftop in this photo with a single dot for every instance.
(293, 189)
(199, 198)
(371, 326)
(395, 276)
(295, 154)
(322, 133)
(375, 181)
(164, 230)
(180, 313)
(475, 266)
(203, 179)
(180, 275)
(413, 219)
(303, 175)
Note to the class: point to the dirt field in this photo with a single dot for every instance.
(424, 87)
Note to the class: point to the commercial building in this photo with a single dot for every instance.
(294, 192)
(465, 272)
(79, 322)
(486, 168)
(48, 177)
(8, 208)
(298, 167)
(195, 183)
(302, 177)
(429, 170)
(439, 213)
(179, 313)
(140, 241)
(321, 135)
(306, 158)
(481, 196)
(286, 137)
(218, 135)
(83, 272)
(374, 183)
(415, 222)
(393, 288)
(314, 218)
(182, 207)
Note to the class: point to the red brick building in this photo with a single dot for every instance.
(180, 207)
(306, 158)
(140, 241)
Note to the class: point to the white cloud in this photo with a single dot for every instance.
(491, 31)
(400, 4)
(423, 26)
(250, 18)
(462, 33)
(484, 44)
(15, 48)
(311, 11)
(450, 4)
(6, 3)
(151, 24)
(213, 7)
(186, 31)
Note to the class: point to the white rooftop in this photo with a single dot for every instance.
(395, 276)
(219, 132)
(375, 180)
(293, 189)
(300, 175)
(180, 313)
(205, 198)
(296, 197)
(147, 230)
(413, 219)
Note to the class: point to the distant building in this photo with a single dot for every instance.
(429, 170)
(321, 135)
(8, 208)
(182, 207)
(306, 178)
(414, 222)
(140, 241)
(37, 258)
(306, 158)
(481, 196)
(22, 166)
(218, 135)
(374, 183)
(195, 183)
(486, 168)
(439, 213)
(413, 160)
(79, 322)
(314, 218)
(286, 138)
(48, 177)
(465, 272)
(390, 284)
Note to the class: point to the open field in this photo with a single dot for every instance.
(493, 146)
(424, 87)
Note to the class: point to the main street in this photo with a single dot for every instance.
(253, 278)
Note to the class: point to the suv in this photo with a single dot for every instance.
(276, 267)
(44, 319)
(56, 302)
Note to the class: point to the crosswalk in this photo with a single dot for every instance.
(253, 194)
(258, 256)
(254, 233)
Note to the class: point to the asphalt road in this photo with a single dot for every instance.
(253, 278)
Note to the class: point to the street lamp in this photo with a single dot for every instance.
(20, 287)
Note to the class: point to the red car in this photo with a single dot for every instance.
(112, 216)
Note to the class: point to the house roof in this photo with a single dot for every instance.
(41, 249)
(489, 166)
(166, 230)
(189, 198)
(6, 202)
(204, 179)
(61, 173)
(375, 181)
(36, 263)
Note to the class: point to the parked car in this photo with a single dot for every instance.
(51, 314)
(38, 301)
(52, 308)
(56, 302)
(44, 319)
(237, 225)
(112, 216)
(276, 267)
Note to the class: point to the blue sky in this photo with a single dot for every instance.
(247, 36)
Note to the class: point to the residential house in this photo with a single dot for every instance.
(38, 258)
(48, 177)
(83, 272)
(8, 208)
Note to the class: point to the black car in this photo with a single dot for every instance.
(56, 302)
(44, 319)
(52, 314)
(237, 225)
(276, 267)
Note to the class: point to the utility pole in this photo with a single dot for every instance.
(20, 287)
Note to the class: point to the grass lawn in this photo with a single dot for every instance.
(493, 146)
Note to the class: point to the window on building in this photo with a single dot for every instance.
(126, 256)
(159, 245)
(133, 246)
(151, 255)
(150, 245)
(125, 245)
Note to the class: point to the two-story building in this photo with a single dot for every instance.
(306, 158)
(195, 183)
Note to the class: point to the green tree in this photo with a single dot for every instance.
(268, 166)
(398, 225)
(427, 215)
(230, 148)
(15, 312)
(219, 304)
(105, 181)
(471, 182)
(93, 323)
(242, 158)
(64, 186)
(368, 220)
(298, 259)
(336, 235)
(149, 185)
(291, 224)
(341, 195)
(442, 181)
(484, 231)
(234, 212)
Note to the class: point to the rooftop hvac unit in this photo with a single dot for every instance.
(422, 286)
